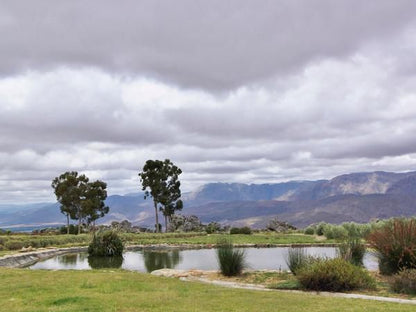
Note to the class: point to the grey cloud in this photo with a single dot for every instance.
(207, 44)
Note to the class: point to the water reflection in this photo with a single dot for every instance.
(155, 260)
(105, 262)
(202, 259)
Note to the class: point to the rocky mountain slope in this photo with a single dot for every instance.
(357, 197)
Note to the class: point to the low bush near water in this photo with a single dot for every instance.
(297, 259)
(231, 261)
(353, 251)
(395, 243)
(106, 243)
(334, 275)
(405, 282)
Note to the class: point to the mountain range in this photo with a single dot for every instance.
(358, 197)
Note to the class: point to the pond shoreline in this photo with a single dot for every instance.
(26, 258)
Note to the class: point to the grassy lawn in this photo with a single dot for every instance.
(118, 290)
(17, 241)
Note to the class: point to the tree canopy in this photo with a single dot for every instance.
(160, 180)
(80, 199)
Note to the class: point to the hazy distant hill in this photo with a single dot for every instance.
(356, 197)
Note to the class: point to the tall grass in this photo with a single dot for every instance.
(106, 243)
(352, 250)
(395, 243)
(231, 261)
(296, 259)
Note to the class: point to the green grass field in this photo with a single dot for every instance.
(18, 241)
(118, 290)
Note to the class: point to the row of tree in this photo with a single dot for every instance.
(84, 201)
(80, 199)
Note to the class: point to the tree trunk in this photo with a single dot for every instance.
(67, 223)
(166, 224)
(157, 217)
(79, 220)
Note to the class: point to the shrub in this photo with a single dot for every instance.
(14, 245)
(184, 223)
(405, 282)
(244, 230)
(335, 231)
(395, 243)
(352, 250)
(356, 230)
(106, 243)
(334, 275)
(231, 261)
(296, 259)
(320, 228)
(310, 230)
(213, 227)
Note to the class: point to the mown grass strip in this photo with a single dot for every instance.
(26, 290)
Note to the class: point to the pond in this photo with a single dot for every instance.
(201, 259)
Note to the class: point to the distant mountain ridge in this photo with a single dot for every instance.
(357, 197)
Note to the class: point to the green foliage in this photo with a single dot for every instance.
(80, 199)
(356, 230)
(231, 261)
(243, 230)
(160, 180)
(334, 275)
(310, 230)
(297, 259)
(342, 231)
(213, 227)
(14, 245)
(404, 282)
(73, 229)
(352, 250)
(395, 243)
(320, 229)
(106, 243)
(334, 232)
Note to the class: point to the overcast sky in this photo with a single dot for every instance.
(230, 91)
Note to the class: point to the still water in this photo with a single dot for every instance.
(201, 259)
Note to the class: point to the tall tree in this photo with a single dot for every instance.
(93, 205)
(160, 180)
(68, 188)
(79, 198)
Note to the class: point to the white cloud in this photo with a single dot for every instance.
(275, 103)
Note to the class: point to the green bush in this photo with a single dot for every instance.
(106, 243)
(297, 259)
(320, 228)
(213, 227)
(334, 275)
(231, 261)
(335, 232)
(310, 230)
(352, 250)
(395, 243)
(14, 245)
(244, 230)
(404, 282)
